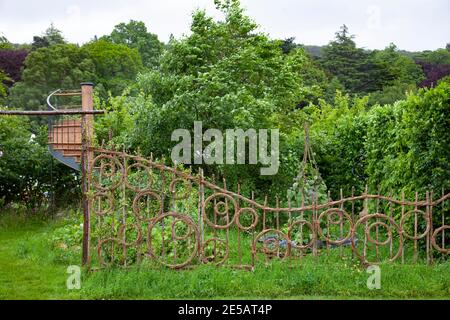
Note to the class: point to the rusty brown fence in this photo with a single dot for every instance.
(145, 211)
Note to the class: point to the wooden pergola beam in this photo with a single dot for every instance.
(49, 113)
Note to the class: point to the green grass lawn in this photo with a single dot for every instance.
(31, 268)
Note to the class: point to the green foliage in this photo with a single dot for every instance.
(65, 241)
(3, 88)
(397, 147)
(31, 269)
(288, 45)
(337, 135)
(62, 66)
(419, 138)
(52, 36)
(65, 66)
(20, 162)
(439, 56)
(391, 94)
(228, 75)
(342, 59)
(362, 71)
(4, 43)
(116, 65)
(113, 128)
(26, 169)
(398, 75)
(397, 68)
(134, 34)
(308, 185)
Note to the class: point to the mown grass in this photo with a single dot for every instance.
(31, 268)
(27, 270)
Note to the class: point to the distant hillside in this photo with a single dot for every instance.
(315, 51)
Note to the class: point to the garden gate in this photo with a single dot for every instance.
(147, 210)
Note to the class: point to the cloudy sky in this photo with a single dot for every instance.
(410, 24)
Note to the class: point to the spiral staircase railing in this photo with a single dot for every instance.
(64, 134)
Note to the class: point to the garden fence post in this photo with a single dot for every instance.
(87, 157)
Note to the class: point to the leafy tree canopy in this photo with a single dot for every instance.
(439, 56)
(116, 65)
(12, 62)
(52, 36)
(342, 59)
(228, 75)
(3, 78)
(134, 34)
(433, 73)
(362, 71)
(26, 167)
(62, 66)
(4, 43)
(397, 67)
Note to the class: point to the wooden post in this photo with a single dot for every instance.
(87, 104)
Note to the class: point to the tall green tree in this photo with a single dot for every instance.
(134, 34)
(3, 88)
(343, 60)
(116, 65)
(28, 173)
(226, 74)
(396, 75)
(439, 56)
(362, 71)
(52, 36)
(397, 68)
(4, 43)
(46, 69)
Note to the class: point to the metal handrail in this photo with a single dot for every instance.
(48, 100)
(70, 162)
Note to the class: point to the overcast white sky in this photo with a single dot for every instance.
(410, 24)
